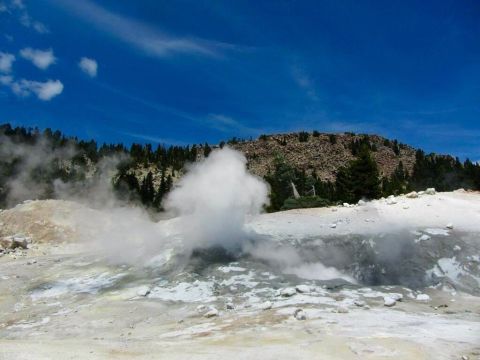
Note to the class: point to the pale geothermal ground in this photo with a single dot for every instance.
(406, 285)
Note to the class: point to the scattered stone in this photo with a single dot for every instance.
(333, 226)
(423, 297)
(334, 209)
(361, 202)
(267, 305)
(457, 248)
(229, 306)
(360, 303)
(299, 314)
(465, 357)
(389, 301)
(430, 191)
(396, 296)
(143, 291)
(14, 242)
(412, 195)
(342, 310)
(287, 292)
(211, 313)
(449, 226)
(303, 289)
(391, 200)
(424, 237)
(201, 308)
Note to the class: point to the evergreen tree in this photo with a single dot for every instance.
(147, 192)
(359, 180)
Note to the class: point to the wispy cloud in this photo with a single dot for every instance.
(155, 139)
(88, 66)
(142, 36)
(304, 81)
(44, 91)
(214, 121)
(6, 62)
(229, 125)
(40, 58)
(19, 8)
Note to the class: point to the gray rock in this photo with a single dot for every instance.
(389, 301)
(287, 292)
(267, 305)
(211, 313)
(412, 195)
(303, 289)
(299, 314)
(143, 291)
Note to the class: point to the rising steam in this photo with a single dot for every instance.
(214, 198)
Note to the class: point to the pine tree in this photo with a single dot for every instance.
(359, 180)
(147, 191)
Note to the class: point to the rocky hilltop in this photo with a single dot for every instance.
(322, 154)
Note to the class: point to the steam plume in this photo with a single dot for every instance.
(214, 198)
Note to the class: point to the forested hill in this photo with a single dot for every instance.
(325, 168)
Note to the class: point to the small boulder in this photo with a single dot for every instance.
(287, 292)
(361, 202)
(412, 195)
(389, 301)
(201, 308)
(211, 313)
(333, 226)
(143, 291)
(391, 200)
(430, 191)
(449, 226)
(14, 242)
(396, 296)
(299, 314)
(267, 305)
(424, 237)
(423, 297)
(360, 303)
(303, 289)
(229, 306)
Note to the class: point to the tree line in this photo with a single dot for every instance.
(161, 165)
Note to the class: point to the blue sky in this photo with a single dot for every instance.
(190, 71)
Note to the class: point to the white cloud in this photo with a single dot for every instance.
(3, 8)
(40, 58)
(88, 66)
(6, 80)
(40, 27)
(6, 61)
(43, 90)
(140, 35)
